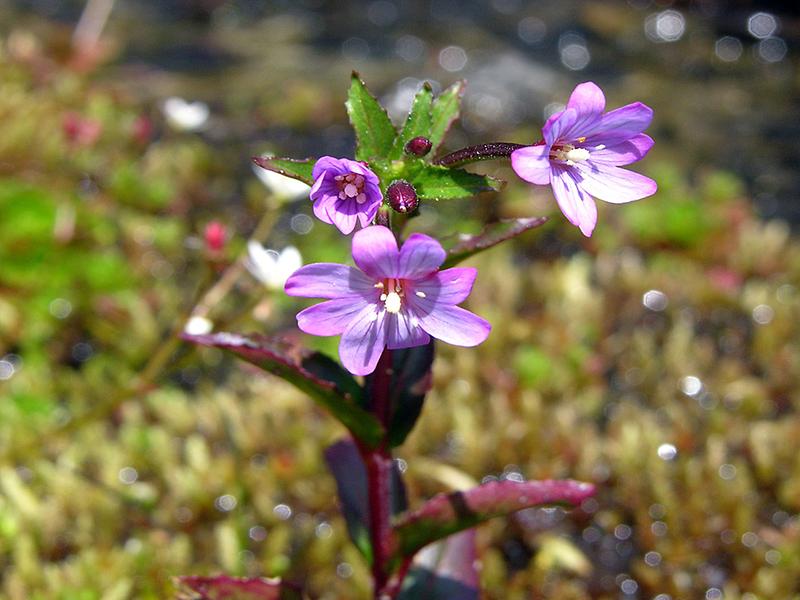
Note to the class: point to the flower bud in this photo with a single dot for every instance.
(419, 146)
(402, 196)
(215, 235)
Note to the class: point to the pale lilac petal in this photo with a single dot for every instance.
(364, 340)
(455, 325)
(450, 286)
(402, 332)
(557, 124)
(613, 184)
(587, 214)
(620, 124)
(624, 153)
(326, 163)
(576, 204)
(321, 208)
(344, 219)
(317, 185)
(329, 280)
(375, 252)
(588, 102)
(331, 317)
(532, 164)
(420, 256)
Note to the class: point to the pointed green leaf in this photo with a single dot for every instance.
(296, 169)
(418, 122)
(375, 133)
(491, 235)
(445, 110)
(441, 183)
(446, 514)
(316, 374)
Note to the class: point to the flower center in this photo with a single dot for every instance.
(351, 187)
(392, 296)
(569, 154)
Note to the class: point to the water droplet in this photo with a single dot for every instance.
(574, 53)
(657, 511)
(6, 370)
(60, 308)
(622, 531)
(133, 546)
(282, 511)
(629, 586)
(453, 58)
(257, 533)
(727, 471)
(652, 559)
(183, 514)
(531, 30)
(659, 528)
(749, 539)
(128, 475)
(763, 314)
(323, 531)
(762, 25)
(667, 451)
(225, 503)
(728, 536)
(655, 300)
(301, 224)
(691, 385)
(666, 26)
(713, 594)
(773, 556)
(772, 49)
(728, 48)
(591, 534)
(402, 465)
(662, 597)
(344, 570)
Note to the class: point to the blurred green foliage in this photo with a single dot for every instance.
(123, 465)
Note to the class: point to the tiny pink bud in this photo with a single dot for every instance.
(215, 236)
(402, 196)
(79, 130)
(419, 146)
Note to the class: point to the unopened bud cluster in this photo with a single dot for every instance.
(402, 196)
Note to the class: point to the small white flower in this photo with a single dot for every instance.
(280, 185)
(269, 267)
(185, 116)
(197, 325)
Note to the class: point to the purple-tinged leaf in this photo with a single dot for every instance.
(375, 133)
(445, 514)
(290, 167)
(445, 110)
(445, 570)
(347, 467)
(223, 587)
(411, 380)
(491, 235)
(316, 374)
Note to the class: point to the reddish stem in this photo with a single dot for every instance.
(379, 476)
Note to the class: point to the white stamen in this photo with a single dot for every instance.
(361, 198)
(392, 302)
(351, 190)
(379, 285)
(577, 155)
(420, 294)
(383, 297)
(342, 196)
(600, 147)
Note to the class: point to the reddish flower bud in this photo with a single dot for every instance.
(79, 130)
(419, 146)
(402, 196)
(215, 236)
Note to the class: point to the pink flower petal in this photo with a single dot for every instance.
(401, 332)
(324, 164)
(331, 317)
(420, 256)
(455, 325)
(450, 286)
(329, 280)
(612, 184)
(624, 153)
(339, 215)
(579, 208)
(375, 252)
(321, 206)
(557, 124)
(364, 340)
(532, 164)
(588, 102)
(620, 124)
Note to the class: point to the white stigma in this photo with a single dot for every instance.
(577, 155)
(421, 294)
(392, 302)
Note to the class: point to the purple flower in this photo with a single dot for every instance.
(394, 299)
(344, 190)
(583, 151)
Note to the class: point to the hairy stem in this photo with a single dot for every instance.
(470, 154)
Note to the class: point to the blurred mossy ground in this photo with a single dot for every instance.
(684, 413)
